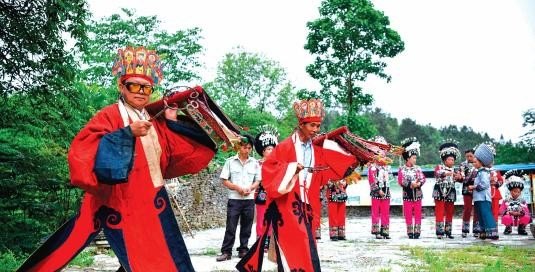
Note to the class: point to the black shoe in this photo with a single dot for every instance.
(522, 230)
(416, 236)
(464, 234)
(341, 238)
(223, 257)
(508, 230)
(334, 238)
(450, 236)
(411, 236)
(242, 253)
(476, 235)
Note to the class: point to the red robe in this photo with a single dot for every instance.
(496, 194)
(294, 210)
(136, 216)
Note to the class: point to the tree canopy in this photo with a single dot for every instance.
(33, 48)
(350, 40)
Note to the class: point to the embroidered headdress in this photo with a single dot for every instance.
(381, 157)
(485, 154)
(309, 110)
(268, 136)
(515, 179)
(449, 148)
(138, 62)
(411, 146)
(379, 139)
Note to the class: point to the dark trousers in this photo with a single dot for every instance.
(242, 210)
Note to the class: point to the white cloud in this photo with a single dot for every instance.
(466, 62)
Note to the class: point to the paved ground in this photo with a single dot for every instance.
(360, 252)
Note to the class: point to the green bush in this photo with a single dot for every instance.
(84, 259)
(9, 261)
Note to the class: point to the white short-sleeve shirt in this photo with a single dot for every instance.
(240, 174)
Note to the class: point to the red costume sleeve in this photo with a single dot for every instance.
(184, 155)
(278, 168)
(338, 163)
(180, 155)
(84, 146)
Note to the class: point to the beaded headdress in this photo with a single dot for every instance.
(138, 62)
(449, 148)
(268, 136)
(515, 179)
(411, 146)
(310, 110)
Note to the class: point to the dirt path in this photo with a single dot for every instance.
(360, 252)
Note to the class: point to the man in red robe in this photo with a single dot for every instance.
(292, 176)
(120, 159)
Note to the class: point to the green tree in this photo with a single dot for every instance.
(350, 40)
(41, 113)
(360, 125)
(529, 121)
(248, 82)
(428, 136)
(33, 47)
(386, 125)
(466, 136)
(36, 197)
(508, 152)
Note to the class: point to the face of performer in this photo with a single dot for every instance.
(515, 193)
(135, 91)
(469, 157)
(477, 163)
(449, 161)
(267, 151)
(309, 130)
(245, 150)
(411, 161)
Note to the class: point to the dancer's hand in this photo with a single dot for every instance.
(299, 168)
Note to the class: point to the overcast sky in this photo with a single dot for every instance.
(466, 62)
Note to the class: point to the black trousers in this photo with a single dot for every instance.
(242, 210)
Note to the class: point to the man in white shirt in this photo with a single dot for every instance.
(241, 175)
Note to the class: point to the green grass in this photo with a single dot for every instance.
(211, 252)
(84, 259)
(486, 258)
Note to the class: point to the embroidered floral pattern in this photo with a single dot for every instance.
(302, 210)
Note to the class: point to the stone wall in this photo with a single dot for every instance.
(202, 198)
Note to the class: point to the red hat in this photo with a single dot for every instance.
(310, 110)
